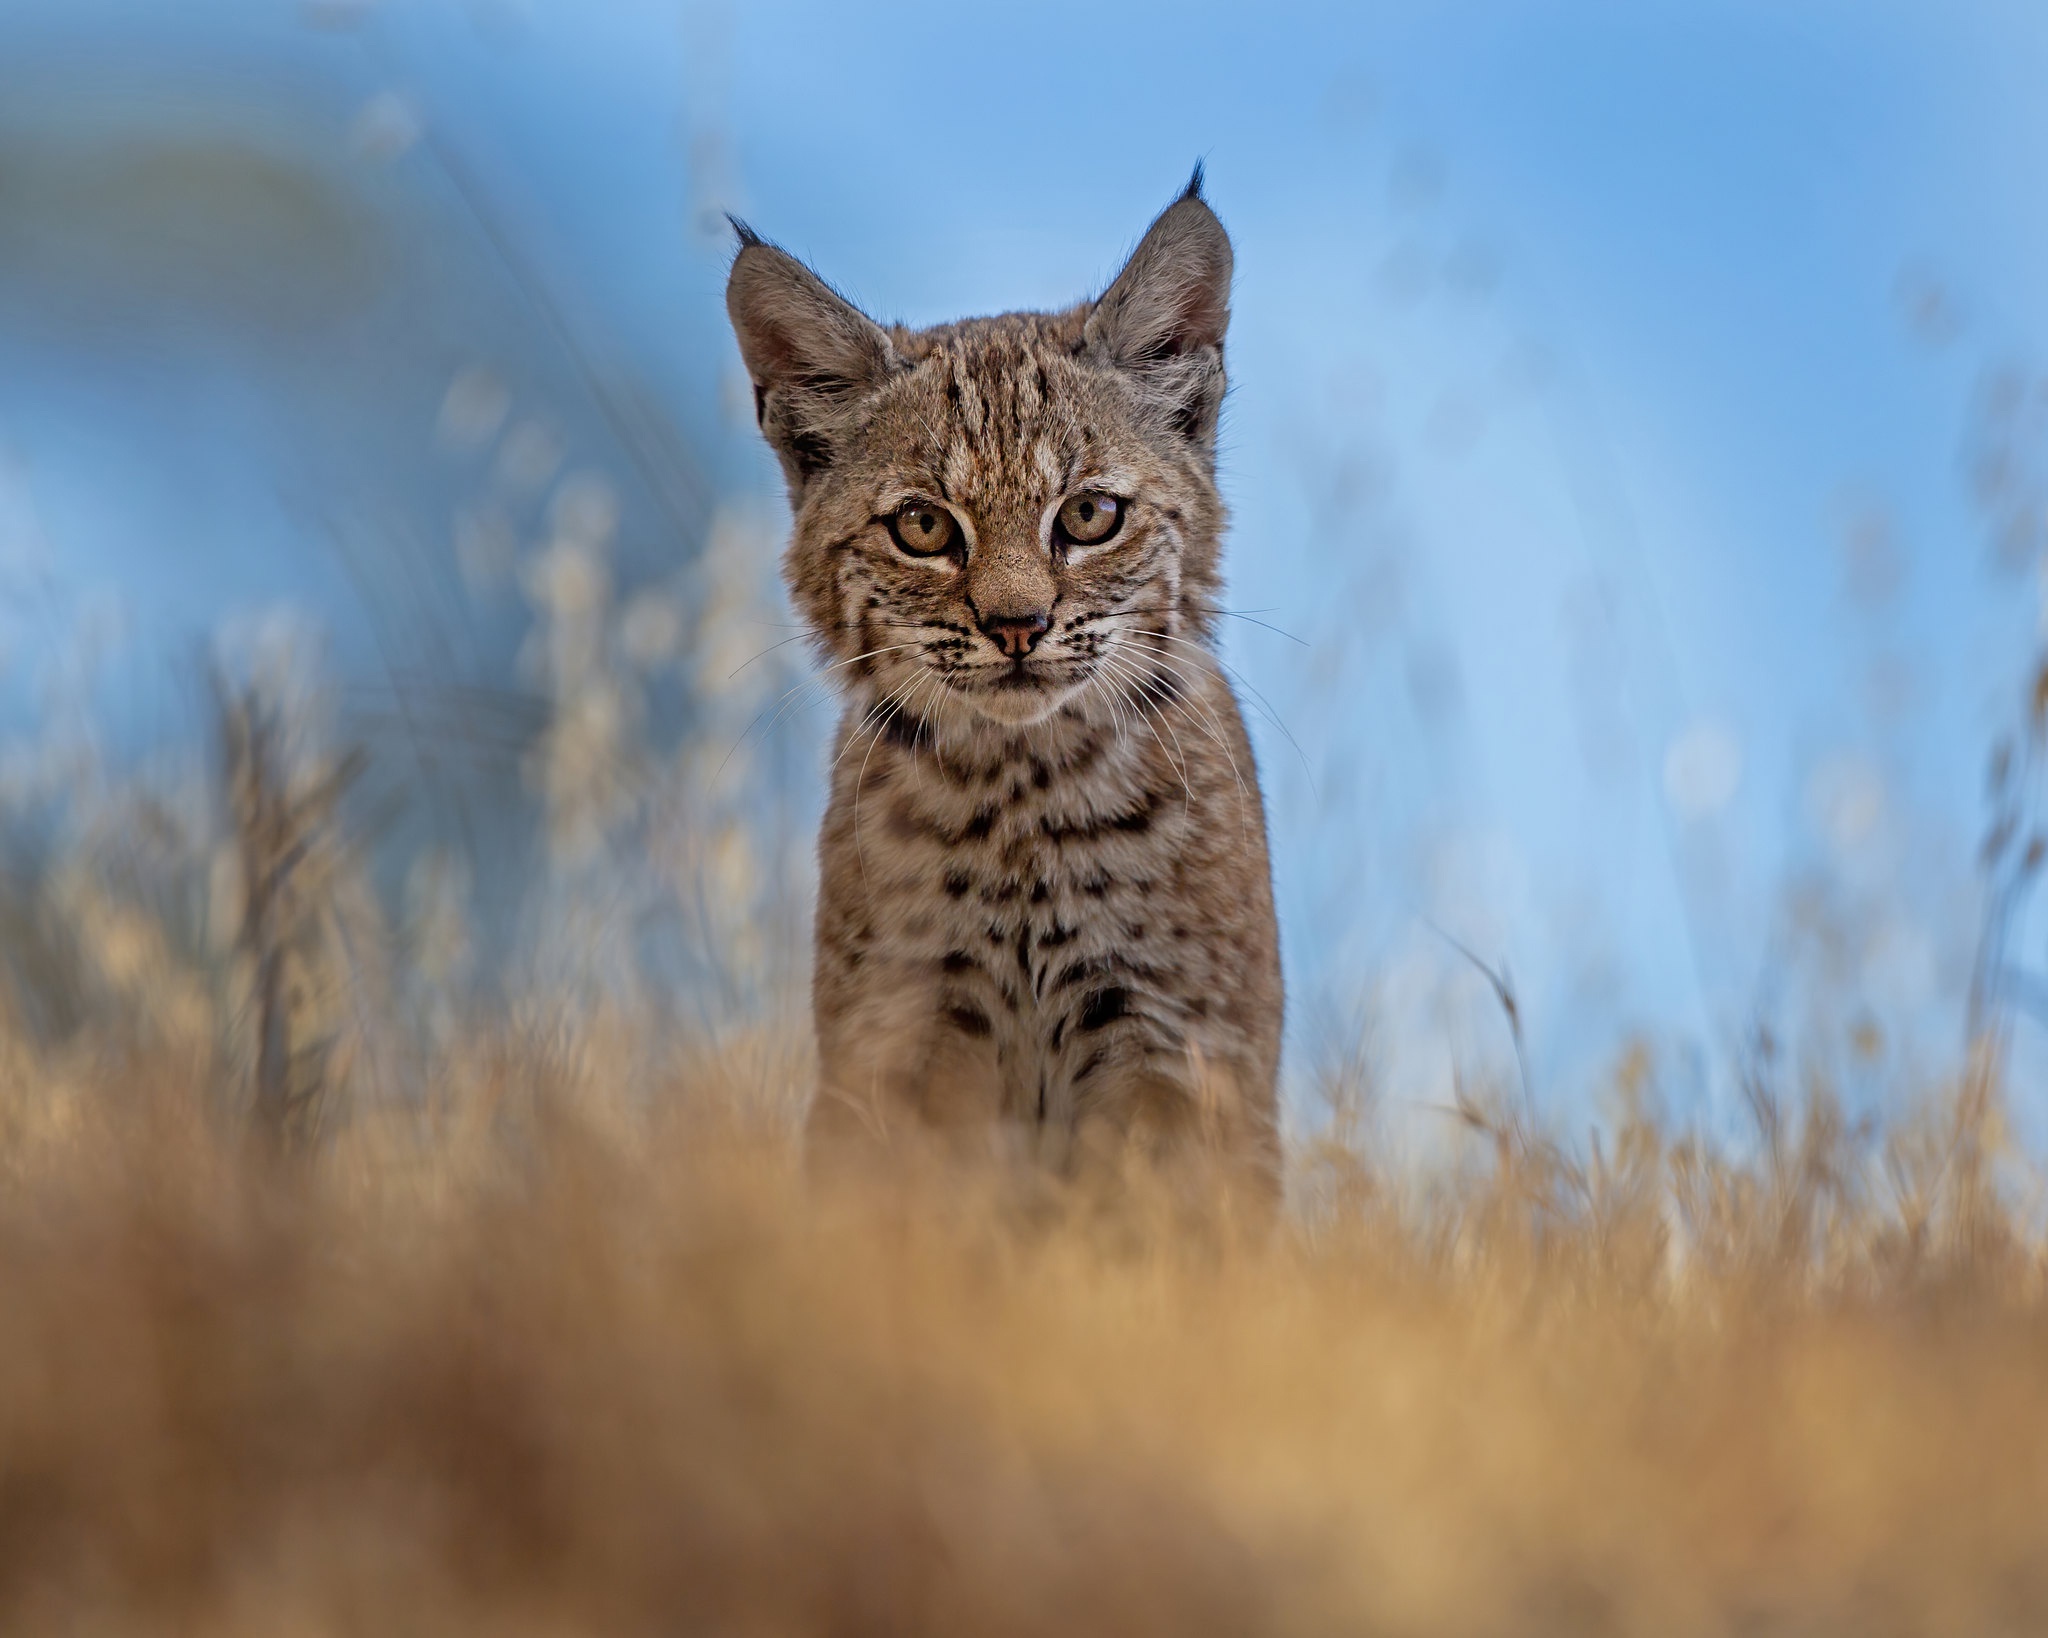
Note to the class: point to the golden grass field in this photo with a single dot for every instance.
(533, 1357)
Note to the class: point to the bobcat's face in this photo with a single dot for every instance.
(1003, 513)
(1001, 526)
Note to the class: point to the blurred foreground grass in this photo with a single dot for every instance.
(571, 1344)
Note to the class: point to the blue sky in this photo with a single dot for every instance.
(1582, 431)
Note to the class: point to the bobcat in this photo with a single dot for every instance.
(1045, 914)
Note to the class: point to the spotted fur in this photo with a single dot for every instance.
(1046, 910)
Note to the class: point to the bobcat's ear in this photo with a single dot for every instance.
(1164, 316)
(811, 353)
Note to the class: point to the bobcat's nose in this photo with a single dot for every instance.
(1015, 634)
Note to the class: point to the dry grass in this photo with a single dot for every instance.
(538, 1357)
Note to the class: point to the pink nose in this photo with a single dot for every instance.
(1016, 635)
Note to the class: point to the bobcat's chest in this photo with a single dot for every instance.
(1029, 899)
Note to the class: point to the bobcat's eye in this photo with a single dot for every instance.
(922, 529)
(1090, 518)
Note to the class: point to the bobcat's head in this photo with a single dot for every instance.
(1002, 514)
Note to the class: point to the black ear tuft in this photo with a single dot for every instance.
(747, 236)
(1192, 191)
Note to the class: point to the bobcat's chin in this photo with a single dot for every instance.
(1019, 700)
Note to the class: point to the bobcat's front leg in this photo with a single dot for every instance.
(904, 1068)
(1185, 1123)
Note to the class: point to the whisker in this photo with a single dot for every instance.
(1166, 722)
(917, 767)
(764, 653)
(1119, 720)
(806, 630)
(1208, 720)
(1148, 713)
(869, 718)
(895, 704)
(1246, 615)
(1265, 706)
(1184, 693)
(780, 706)
(870, 725)
(1118, 707)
